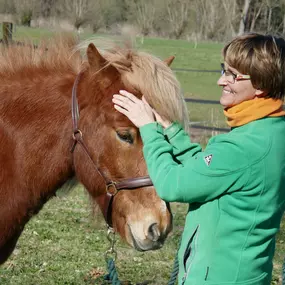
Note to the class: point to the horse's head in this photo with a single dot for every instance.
(115, 145)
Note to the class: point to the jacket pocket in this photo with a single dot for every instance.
(190, 253)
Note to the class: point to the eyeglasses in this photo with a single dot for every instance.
(232, 77)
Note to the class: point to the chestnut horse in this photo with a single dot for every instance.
(57, 122)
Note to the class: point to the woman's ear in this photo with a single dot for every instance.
(260, 93)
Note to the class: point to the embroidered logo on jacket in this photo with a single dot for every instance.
(208, 159)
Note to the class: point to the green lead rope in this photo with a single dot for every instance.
(112, 276)
(283, 273)
(174, 272)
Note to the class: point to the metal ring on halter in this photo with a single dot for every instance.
(75, 133)
(111, 188)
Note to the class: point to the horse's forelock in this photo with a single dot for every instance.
(156, 81)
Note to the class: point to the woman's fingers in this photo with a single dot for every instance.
(156, 114)
(138, 111)
(129, 95)
(121, 110)
(135, 109)
(163, 121)
(145, 101)
(122, 101)
(146, 104)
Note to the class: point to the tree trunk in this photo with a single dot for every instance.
(242, 23)
(283, 31)
(269, 20)
(255, 16)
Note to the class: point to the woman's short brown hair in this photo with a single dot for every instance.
(263, 58)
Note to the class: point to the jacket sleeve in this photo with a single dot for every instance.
(182, 147)
(222, 168)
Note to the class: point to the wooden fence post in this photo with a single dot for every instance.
(7, 32)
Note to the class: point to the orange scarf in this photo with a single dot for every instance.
(252, 110)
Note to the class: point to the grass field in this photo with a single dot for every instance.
(64, 245)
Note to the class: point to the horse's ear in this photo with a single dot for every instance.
(169, 60)
(95, 59)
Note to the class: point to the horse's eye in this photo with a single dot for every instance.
(126, 137)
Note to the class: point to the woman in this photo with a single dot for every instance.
(236, 186)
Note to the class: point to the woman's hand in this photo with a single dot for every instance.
(161, 120)
(138, 111)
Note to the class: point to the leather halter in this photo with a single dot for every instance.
(112, 187)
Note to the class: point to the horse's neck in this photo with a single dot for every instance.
(40, 120)
(35, 158)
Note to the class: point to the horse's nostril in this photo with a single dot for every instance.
(153, 232)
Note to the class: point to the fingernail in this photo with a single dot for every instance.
(122, 91)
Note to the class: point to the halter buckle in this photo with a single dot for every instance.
(75, 133)
(111, 188)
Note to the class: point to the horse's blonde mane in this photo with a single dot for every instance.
(150, 76)
(54, 55)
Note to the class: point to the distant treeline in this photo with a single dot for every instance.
(196, 20)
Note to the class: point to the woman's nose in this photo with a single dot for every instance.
(222, 80)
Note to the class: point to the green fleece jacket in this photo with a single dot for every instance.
(236, 192)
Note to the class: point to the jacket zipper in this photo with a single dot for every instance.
(196, 234)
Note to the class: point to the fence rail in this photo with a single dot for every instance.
(202, 101)
(212, 129)
(196, 70)
(208, 128)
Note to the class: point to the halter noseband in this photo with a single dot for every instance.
(112, 187)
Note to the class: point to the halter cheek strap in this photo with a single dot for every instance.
(112, 187)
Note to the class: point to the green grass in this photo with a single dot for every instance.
(63, 244)
(206, 56)
(22, 33)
